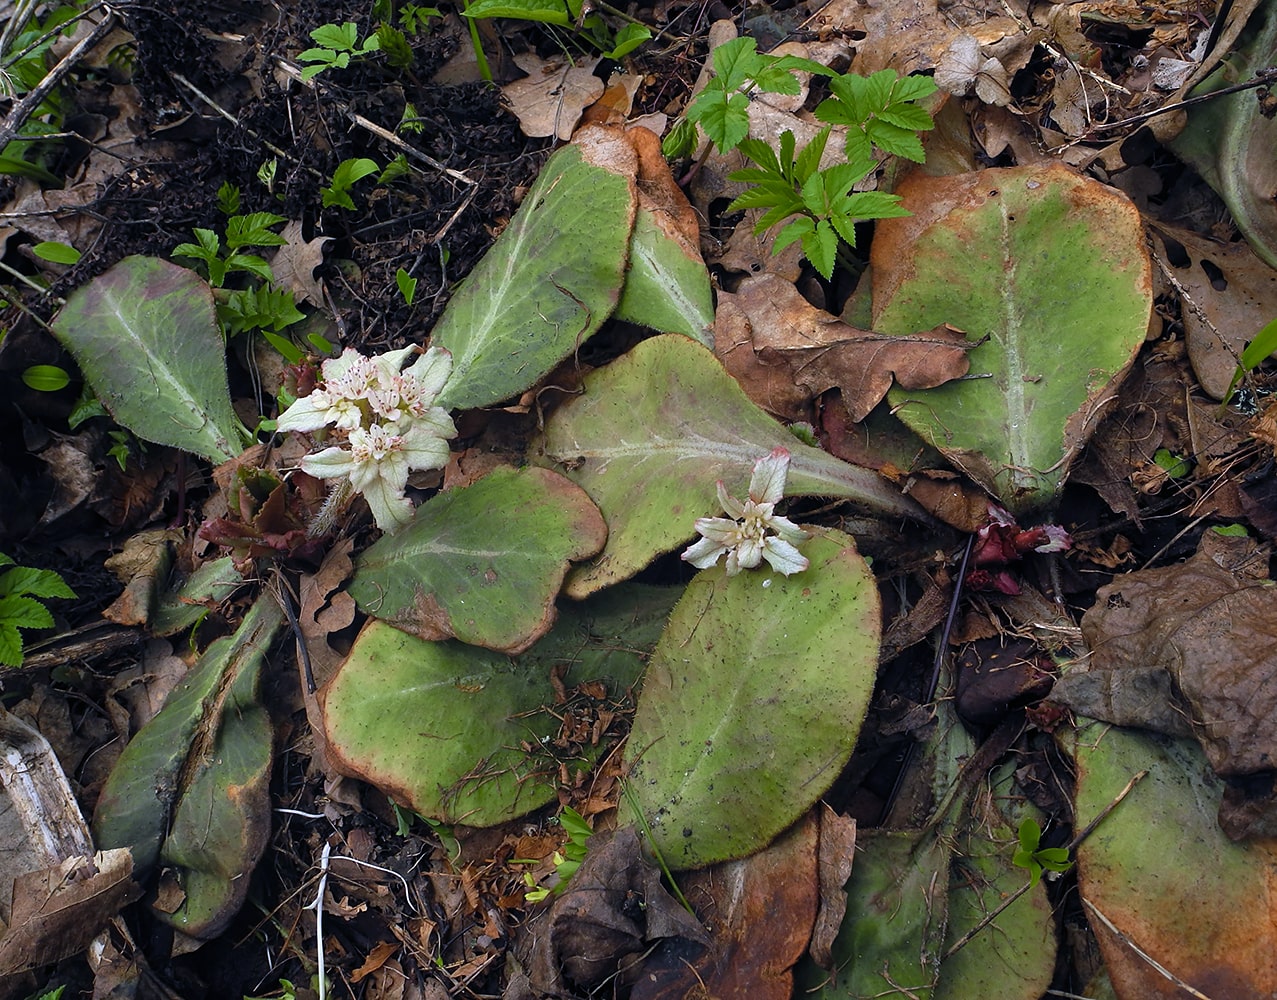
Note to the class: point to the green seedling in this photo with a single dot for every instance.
(589, 25)
(241, 231)
(878, 111)
(566, 861)
(56, 253)
(46, 378)
(1028, 853)
(407, 285)
(22, 590)
(1264, 344)
(228, 198)
(1175, 466)
(822, 200)
(335, 46)
(348, 172)
(26, 45)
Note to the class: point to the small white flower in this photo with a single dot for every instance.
(744, 533)
(388, 419)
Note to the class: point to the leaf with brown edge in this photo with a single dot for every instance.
(447, 573)
(822, 352)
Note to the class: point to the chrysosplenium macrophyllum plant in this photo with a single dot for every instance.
(744, 534)
(384, 424)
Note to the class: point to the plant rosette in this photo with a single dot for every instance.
(385, 421)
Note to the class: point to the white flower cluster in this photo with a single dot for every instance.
(752, 531)
(386, 420)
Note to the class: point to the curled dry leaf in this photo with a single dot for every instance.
(550, 99)
(792, 338)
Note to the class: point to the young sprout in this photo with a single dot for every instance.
(752, 531)
(385, 420)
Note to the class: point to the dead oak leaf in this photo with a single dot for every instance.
(823, 352)
(295, 262)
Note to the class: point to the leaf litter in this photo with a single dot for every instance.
(1165, 497)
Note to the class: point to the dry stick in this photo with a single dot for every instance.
(1070, 847)
(24, 109)
(269, 146)
(1261, 79)
(1161, 969)
(384, 134)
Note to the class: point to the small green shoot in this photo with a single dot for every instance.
(348, 172)
(241, 231)
(56, 253)
(1230, 530)
(566, 862)
(823, 200)
(414, 18)
(46, 378)
(21, 591)
(123, 447)
(407, 285)
(1175, 466)
(879, 110)
(228, 198)
(335, 46)
(1028, 853)
(1264, 344)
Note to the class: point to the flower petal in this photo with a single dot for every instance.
(749, 553)
(767, 485)
(703, 553)
(719, 530)
(432, 371)
(390, 508)
(309, 413)
(787, 529)
(783, 557)
(329, 463)
(732, 507)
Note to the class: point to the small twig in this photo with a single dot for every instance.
(319, 918)
(26, 107)
(1161, 969)
(271, 147)
(1070, 847)
(1262, 79)
(384, 134)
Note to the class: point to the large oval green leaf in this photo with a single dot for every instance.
(667, 286)
(1052, 268)
(1163, 873)
(653, 432)
(753, 701)
(441, 726)
(448, 573)
(146, 337)
(552, 278)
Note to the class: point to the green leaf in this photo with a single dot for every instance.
(56, 253)
(407, 285)
(34, 582)
(206, 250)
(680, 141)
(340, 38)
(1030, 835)
(1264, 344)
(544, 11)
(445, 574)
(1160, 869)
(344, 178)
(550, 281)
(442, 726)
(253, 230)
(168, 757)
(667, 286)
(725, 119)
(394, 43)
(650, 460)
(629, 38)
(24, 612)
(820, 246)
(10, 645)
(735, 61)
(145, 335)
(1023, 255)
(741, 725)
(46, 378)
(896, 141)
